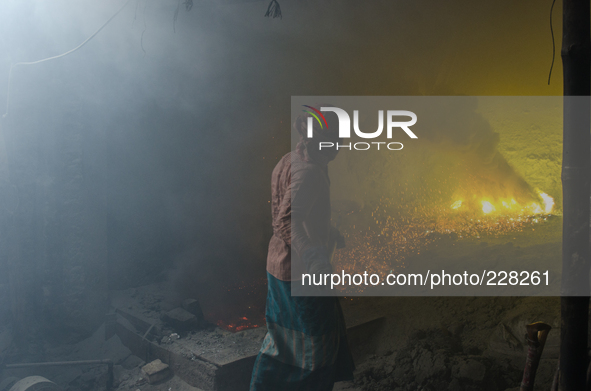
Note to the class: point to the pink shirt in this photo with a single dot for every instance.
(300, 205)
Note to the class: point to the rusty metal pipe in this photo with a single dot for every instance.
(537, 333)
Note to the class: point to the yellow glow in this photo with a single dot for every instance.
(487, 207)
(456, 204)
(505, 204)
(548, 202)
(535, 208)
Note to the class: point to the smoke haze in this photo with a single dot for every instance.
(151, 147)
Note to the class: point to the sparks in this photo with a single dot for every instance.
(456, 204)
(548, 202)
(487, 207)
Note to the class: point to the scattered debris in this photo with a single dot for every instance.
(180, 320)
(434, 360)
(156, 371)
(192, 306)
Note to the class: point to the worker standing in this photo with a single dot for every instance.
(305, 347)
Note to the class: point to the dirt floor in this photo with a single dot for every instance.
(464, 343)
(424, 343)
(455, 343)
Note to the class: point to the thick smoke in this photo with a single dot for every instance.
(150, 149)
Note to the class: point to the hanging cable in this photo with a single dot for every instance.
(144, 30)
(553, 43)
(12, 66)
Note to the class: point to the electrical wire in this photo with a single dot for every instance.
(144, 30)
(12, 66)
(553, 43)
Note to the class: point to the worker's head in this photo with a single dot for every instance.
(325, 130)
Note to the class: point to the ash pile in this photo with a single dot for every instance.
(436, 360)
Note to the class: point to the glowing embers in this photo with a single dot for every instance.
(487, 207)
(239, 305)
(548, 202)
(384, 238)
(544, 205)
(509, 204)
(240, 324)
(457, 204)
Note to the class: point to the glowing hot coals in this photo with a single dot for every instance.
(241, 323)
(544, 205)
(238, 306)
(487, 207)
(548, 202)
(382, 239)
